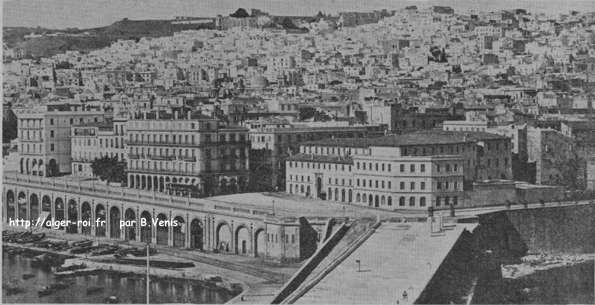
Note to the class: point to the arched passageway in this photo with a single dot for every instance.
(101, 226)
(46, 207)
(243, 243)
(130, 231)
(22, 205)
(114, 220)
(179, 232)
(72, 216)
(146, 229)
(162, 231)
(224, 237)
(86, 218)
(259, 243)
(34, 207)
(59, 208)
(196, 234)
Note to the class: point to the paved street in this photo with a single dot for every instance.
(399, 257)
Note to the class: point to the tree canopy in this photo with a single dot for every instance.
(240, 13)
(9, 126)
(109, 168)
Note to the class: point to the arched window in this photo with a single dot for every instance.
(402, 201)
(382, 200)
(411, 201)
(390, 201)
(422, 201)
(358, 198)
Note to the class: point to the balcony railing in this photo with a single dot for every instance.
(162, 158)
(187, 159)
(178, 144)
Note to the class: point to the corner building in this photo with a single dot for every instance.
(96, 140)
(44, 134)
(410, 171)
(186, 154)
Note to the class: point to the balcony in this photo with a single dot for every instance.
(178, 144)
(187, 159)
(161, 158)
(164, 143)
(162, 171)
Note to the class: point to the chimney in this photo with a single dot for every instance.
(175, 115)
(189, 113)
(144, 115)
(157, 114)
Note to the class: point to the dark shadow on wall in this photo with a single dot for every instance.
(472, 269)
(308, 239)
(453, 279)
(554, 230)
(499, 236)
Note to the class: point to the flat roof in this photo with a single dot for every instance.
(428, 137)
(293, 205)
(321, 158)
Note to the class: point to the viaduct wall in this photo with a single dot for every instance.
(564, 229)
(474, 262)
(203, 224)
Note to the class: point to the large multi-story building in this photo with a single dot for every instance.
(410, 119)
(95, 140)
(271, 146)
(44, 134)
(591, 174)
(554, 156)
(188, 153)
(413, 170)
(583, 135)
(516, 132)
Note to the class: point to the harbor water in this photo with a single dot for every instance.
(127, 288)
(572, 284)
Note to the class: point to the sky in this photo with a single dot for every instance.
(60, 14)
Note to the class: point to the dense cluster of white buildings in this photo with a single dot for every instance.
(325, 113)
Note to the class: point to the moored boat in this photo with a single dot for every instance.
(112, 300)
